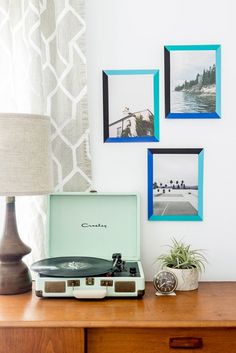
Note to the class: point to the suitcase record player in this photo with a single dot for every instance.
(93, 247)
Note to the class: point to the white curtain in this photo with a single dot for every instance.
(43, 71)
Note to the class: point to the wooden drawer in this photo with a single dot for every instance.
(41, 340)
(209, 340)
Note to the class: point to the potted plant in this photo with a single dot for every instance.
(186, 263)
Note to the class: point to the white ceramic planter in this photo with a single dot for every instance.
(187, 278)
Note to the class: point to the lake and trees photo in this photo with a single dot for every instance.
(193, 81)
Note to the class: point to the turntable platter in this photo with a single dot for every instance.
(72, 266)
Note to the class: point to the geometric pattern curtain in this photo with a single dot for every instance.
(65, 91)
(43, 71)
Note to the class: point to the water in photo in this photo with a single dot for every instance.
(193, 81)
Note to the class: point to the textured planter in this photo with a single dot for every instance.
(187, 278)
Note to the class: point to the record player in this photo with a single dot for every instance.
(93, 247)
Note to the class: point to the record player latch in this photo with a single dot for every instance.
(73, 283)
(89, 281)
(106, 283)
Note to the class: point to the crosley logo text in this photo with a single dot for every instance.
(98, 225)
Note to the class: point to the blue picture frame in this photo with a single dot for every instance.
(179, 202)
(114, 130)
(202, 100)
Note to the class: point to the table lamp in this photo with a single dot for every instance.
(25, 169)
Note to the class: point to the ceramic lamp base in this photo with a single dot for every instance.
(14, 278)
(14, 274)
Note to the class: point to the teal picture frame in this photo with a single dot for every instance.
(174, 201)
(199, 101)
(110, 98)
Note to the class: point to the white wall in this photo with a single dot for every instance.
(130, 34)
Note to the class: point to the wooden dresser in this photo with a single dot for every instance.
(203, 320)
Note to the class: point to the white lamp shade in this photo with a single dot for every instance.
(25, 155)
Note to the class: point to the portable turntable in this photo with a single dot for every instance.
(93, 247)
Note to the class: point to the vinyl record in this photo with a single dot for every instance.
(72, 266)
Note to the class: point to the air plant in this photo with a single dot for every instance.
(181, 256)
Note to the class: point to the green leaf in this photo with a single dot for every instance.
(182, 256)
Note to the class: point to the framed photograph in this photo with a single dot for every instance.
(131, 105)
(175, 184)
(193, 81)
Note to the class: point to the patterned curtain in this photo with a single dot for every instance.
(43, 71)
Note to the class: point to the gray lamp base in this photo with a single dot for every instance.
(14, 274)
(14, 278)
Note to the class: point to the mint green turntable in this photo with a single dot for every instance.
(95, 225)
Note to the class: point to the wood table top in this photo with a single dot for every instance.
(212, 305)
